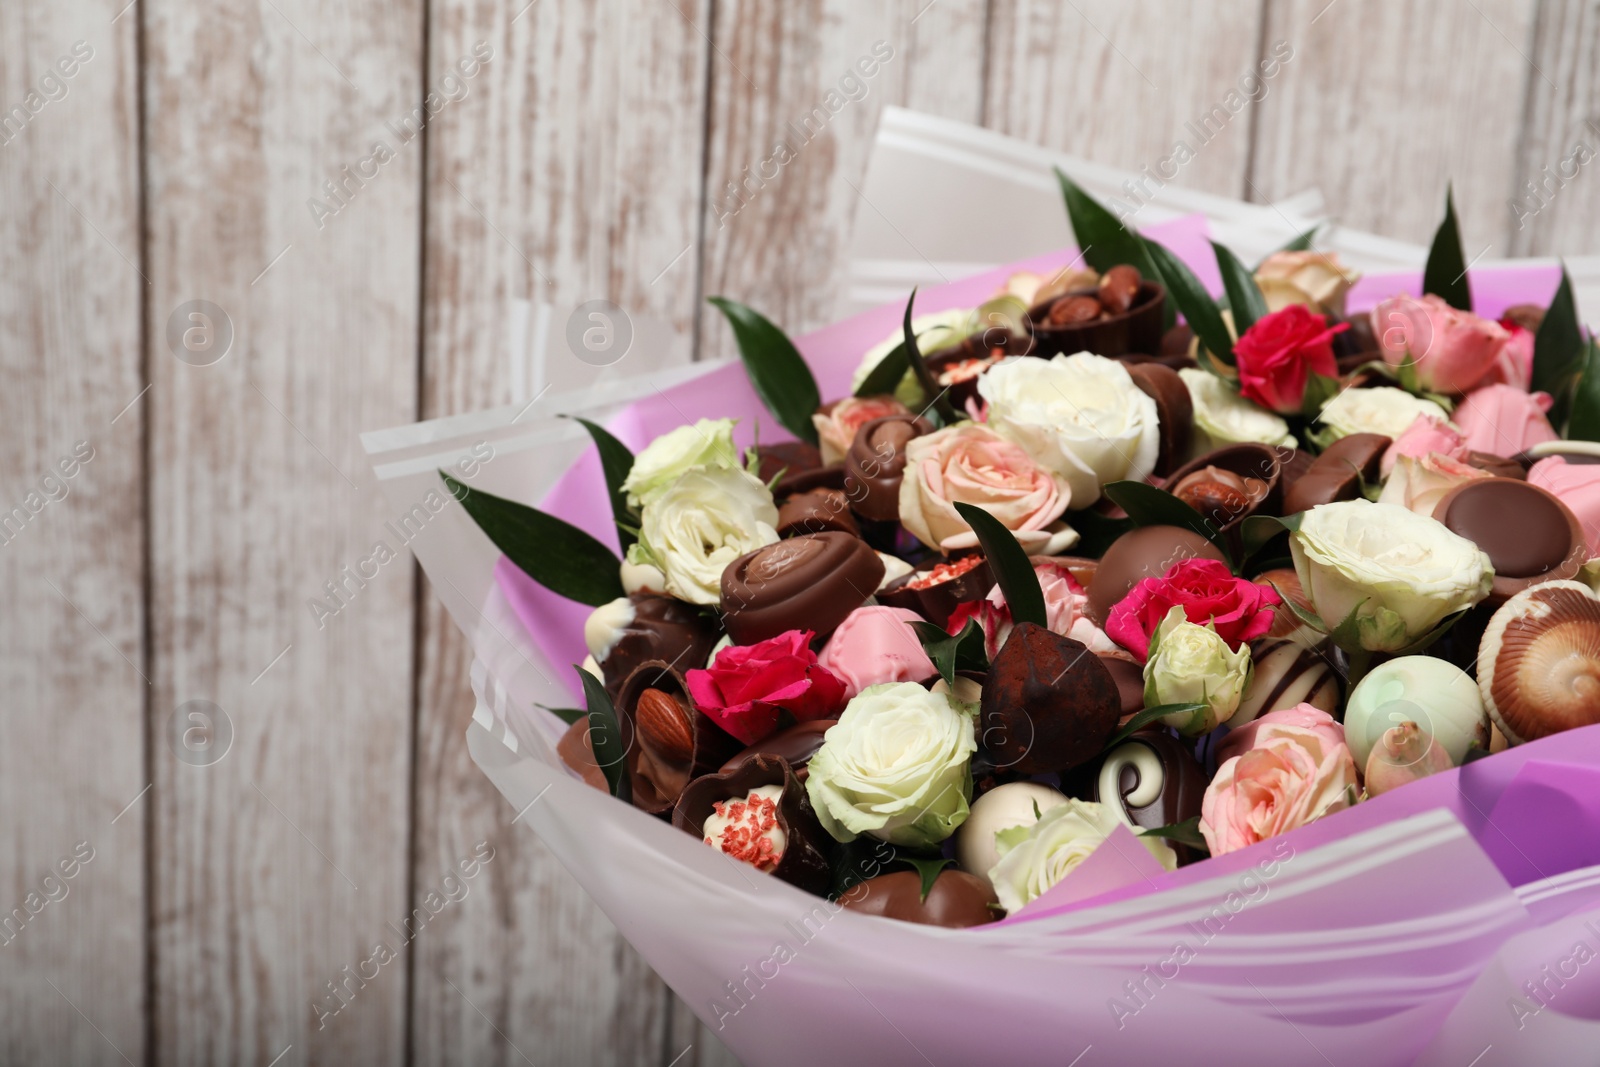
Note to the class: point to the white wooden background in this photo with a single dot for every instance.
(582, 159)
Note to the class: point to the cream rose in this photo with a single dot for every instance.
(1380, 409)
(1192, 664)
(705, 521)
(1292, 776)
(706, 445)
(1033, 859)
(1382, 577)
(1315, 279)
(1080, 417)
(897, 765)
(1223, 417)
(1420, 483)
(838, 422)
(971, 464)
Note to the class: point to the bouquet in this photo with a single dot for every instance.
(1191, 667)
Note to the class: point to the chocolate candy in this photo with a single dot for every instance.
(1060, 325)
(787, 458)
(1120, 287)
(1129, 678)
(1072, 310)
(1285, 674)
(795, 746)
(1285, 622)
(1499, 466)
(1539, 662)
(1176, 341)
(956, 899)
(1255, 485)
(1152, 778)
(814, 512)
(1338, 472)
(1528, 534)
(959, 367)
(876, 463)
(577, 753)
(668, 742)
(1048, 704)
(810, 582)
(1146, 552)
(1174, 410)
(935, 591)
(663, 628)
(804, 861)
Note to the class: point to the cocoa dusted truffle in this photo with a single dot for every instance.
(877, 462)
(1048, 704)
(810, 582)
(956, 899)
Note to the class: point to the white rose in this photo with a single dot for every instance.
(1223, 417)
(705, 521)
(1192, 664)
(1380, 409)
(707, 445)
(1419, 484)
(1079, 416)
(1381, 577)
(1033, 859)
(897, 765)
(935, 330)
(1315, 279)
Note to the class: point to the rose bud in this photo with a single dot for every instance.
(1192, 664)
(1238, 609)
(1402, 755)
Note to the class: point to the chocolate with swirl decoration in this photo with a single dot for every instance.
(1286, 674)
(810, 582)
(1151, 780)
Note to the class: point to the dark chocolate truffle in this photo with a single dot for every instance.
(956, 899)
(809, 582)
(1146, 552)
(1048, 704)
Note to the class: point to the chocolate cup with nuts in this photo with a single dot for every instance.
(1138, 329)
(1229, 484)
(668, 741)
(804, 863)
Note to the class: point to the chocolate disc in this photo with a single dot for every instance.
(804, 862)
(877, 462)
(956, 899)
(810, 582)
(1528, 535)
(1048, 704)
(1146, 552)
(1338, 472)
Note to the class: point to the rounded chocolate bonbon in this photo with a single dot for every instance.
(1145, 552)
(1048, 703)
(956, 899)
(810, 582)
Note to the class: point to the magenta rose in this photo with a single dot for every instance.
(1277, 355)
(1452, 350)
(1239, 609)
(747, 685)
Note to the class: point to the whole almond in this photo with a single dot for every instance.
(664, 726)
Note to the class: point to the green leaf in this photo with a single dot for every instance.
(1199, 310)
(940, 398)
(616, 460)
(553, 552)
(1012, 569)
(566, 715)
(1146, 717)
(949, 651)
(1244, 295)
(1299, 243)
(1446, 272)
(1186, 832)
(1096, 531)
(1558, 346)
(1256, 532)
(927, 868)
(1103, 240)
(1585, 424)
(605, 736)
(1319, 390)
(882, 379)
(1148, 506)
(777, 370)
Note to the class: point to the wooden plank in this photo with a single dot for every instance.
(1385, 103)
(572, 172)
(280, 858)
(72, 937)
(1560, 150)
(794, 75)
(1125, 84)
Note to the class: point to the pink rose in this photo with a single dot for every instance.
(1577, 485)
(1451, 350)
(1277, 355)
(874, 645)
(972, 464)
(1302, 716)
(1419, 484)
(838, 422)
(1291, 777)
(746, 686)
(1239, 609)
(1404, 754)
(1427, 433)
(1514, 366)
(1504, 420)
(1066, 607)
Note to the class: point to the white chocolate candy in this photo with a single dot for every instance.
(606, 625)
(643, 578)
(747, 829)
(1436, 695)
(1001, 808)
(893, 568)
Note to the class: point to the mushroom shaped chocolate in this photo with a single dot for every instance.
(1529, 536)
(935, 591)
(795, 746)
(810, 582)
(1228, 484)
(876, 463)
(1048, 705)
(668, 741)
(1539, 661)
(1146, 552)
(956, 899)
(759, 813)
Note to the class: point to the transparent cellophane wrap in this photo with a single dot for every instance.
(1455, 921)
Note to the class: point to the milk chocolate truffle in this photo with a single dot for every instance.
(877, 462)
(810, 582)
(934, 592)
(1539, 662)
(576, 752)
(1174, 410)
(1146, 552)
(814, 512)
(956, 899)
(1338, 472)
(795, 746)
(798, 851)
(1286, 674)
(1229, 483)
(1528, 534)
(1048, 704)
(1154, 779)
(668, 741)
(662, 628)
